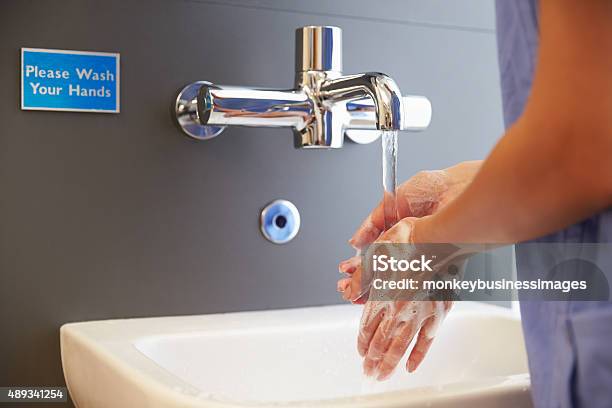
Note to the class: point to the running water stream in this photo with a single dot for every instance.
(389, 167)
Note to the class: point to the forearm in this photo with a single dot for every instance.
(534, 182)
(554, 166)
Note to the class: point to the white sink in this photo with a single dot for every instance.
(295, 357)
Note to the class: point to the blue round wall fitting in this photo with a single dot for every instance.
(280, 221)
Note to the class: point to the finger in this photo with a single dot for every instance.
(358, 288)
(353, 289)
(427, 334)
(350, 265)
(352, 292)
(370, 229)
(370, 319)
(343, 285)
(379, 345)
(401, 340)
(422, 344)
(360, 299)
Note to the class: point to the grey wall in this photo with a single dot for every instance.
(110, 216)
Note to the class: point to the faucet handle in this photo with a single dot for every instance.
(318, 48)
(417, 113)
(416, 116)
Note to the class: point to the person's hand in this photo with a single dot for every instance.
(423, 194)
(387, 329)
(389, 326)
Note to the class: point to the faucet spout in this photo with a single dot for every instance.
(230, 105)
(382, 89)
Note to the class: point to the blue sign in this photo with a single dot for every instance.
(69, 80)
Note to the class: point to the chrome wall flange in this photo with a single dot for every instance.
(186, 113)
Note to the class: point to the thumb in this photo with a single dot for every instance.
(400, 233)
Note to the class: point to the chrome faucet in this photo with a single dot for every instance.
(323, 106)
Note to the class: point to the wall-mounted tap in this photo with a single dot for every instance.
(323, 106)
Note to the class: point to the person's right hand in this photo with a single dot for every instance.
(423, 194)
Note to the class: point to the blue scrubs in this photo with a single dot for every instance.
(569, 343)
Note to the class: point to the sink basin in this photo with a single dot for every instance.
(294, 357)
